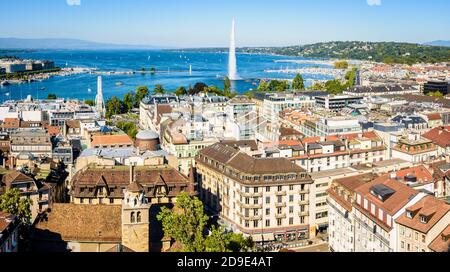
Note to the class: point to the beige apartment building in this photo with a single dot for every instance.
(267, 199)
(421, 224)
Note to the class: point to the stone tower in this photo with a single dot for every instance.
(135, 217)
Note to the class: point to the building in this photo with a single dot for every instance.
(421, 224)
(9, 233)
(337, 103)
(441, 138)
(78, 228)
(40, 194)
(274, 104)
(242, 111)
(34, 142)
(442, 241)
(378, 204)
(415, 149)
(436, 85)
(412, 122)
(147, 140)
(267, 199)
(105, 184)
(327, 126)
(111, 141)
(340, 200)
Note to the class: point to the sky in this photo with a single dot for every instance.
(207, 23)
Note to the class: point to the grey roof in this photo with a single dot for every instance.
(147, 135)
(119, 152)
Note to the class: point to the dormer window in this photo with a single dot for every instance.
(423, 219)
(409, 214)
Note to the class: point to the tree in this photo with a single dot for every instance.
(298, 83)
(216, 90)
(159, 89)
(114, 106)
(263, 86)
(278, 85)
(187, 225)
(12, 203)
(89, 102)
(226, 86)
(198, 88)
(317, 86)
(152, 70)
(436, 94)
(141, 92)
(341, 65)
(219, 241)
(181, 91)
(129, 128)
(51, 96)
(128, 101)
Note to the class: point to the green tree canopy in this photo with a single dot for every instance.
(12, 203)
(129, 101)
(341, 65)
(298, 83)
(89, 102)
(159, 89)
(129, 128)
(181, 91)
(114, 106)
(226, 86)
(141, 92)
(186, 224)
(51, 96)
(278, 85)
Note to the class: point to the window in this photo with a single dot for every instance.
(409, 214)
(291, 221)
(380, 214)
(255, 223)
(366, 204)
(267, 189)
(358, 199)
(81, 200)
(423, 238)
(111, 201)
(279, 199)
(291, 198)
(291, 210)
(138, 217)
(423, 219)
(302, 220)
(268, 200)
(279, 210)
(280, 188)
(256, 190)
(291, 187)
(372, 208)
(267, 223)
(389, 220)
(132, 217)
(267, 211)
(279, 222)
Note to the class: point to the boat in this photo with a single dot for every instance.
(42, 88)
(119, 83)
(4, 83)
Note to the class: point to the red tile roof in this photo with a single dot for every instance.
(442, 241)
(440, 136)
(429, 206)
(420, 172)
(111, 140)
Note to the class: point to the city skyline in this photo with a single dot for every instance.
(199, 23)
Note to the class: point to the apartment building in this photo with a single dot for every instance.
(273, 104)
(9, 232)
(327, 126)
(415, 149)
(340, 200)
(378, 204)
(421, 224)
(267, 199)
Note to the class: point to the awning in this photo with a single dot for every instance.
(257, 238)
(269, 237)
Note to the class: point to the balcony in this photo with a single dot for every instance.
(305, 213)
(281, 193)
(280, 205)
(280, 216)
(250, 206)
(303, 202)
(252, 194)
(305, 191)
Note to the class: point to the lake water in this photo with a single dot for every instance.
(209, 68)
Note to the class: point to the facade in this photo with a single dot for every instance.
(267, 199)
(40, 195)
(330, 126)
(341, 197)
(242, 111)
(337, 103)
(436, 85)
(273, 104)
(106, 184)
(441, 138)
(378, 204)
(9, 233)
(421, 224)
(35, 142)
(415, 149)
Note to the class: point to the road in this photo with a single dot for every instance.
(316, 248)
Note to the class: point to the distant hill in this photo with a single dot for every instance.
(439, 43)
(17, 43)
(387, 52)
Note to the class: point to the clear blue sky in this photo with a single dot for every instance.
(204, 23)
